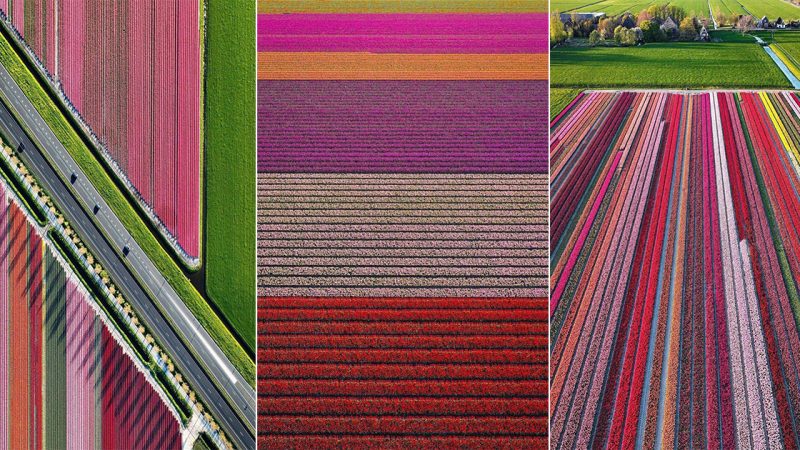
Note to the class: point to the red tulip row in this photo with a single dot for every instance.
(132, 72)
(452, 371)
(675, 283)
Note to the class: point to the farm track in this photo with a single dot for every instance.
(402, 227)
(61, 371)
(681, 239)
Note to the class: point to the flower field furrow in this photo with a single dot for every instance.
(132, 73)
(438, 127)
(675, 290)
(336, 267)
(57, 357)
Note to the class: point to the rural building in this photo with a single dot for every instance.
(567, 18)
(763, 23)
(669, 27)
(779, 23)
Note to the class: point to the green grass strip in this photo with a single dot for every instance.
(123, 209)
(230, 165)
(560, 99)
(783, 261)
(55, 354)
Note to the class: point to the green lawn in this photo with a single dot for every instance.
(560, 98)
(118, 202)
(230, 138)
(399, 6)
(758, 8)
(737, 62)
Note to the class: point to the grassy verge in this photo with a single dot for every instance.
(560, 99)
(123, 209)
(230, 164)
(735, 62)
(204, 442)
(24, 195)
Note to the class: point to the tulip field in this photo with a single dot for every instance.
(402, 126)
(65, 382)
(136, 86)
(675, 270)
(343, 372)
(402, 224)
(402, 235)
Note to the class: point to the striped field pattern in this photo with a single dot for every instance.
(132, 70)
(403, 235)
(65, 382)
(675, 270)
(402, 224)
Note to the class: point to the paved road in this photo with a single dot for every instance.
(236, 417)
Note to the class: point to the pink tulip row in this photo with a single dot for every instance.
(134, 77)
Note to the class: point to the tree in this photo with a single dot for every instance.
(557, 32)
(721, 18)
(643, 15)
(688, 31)
(676, 12)
(745, 24)
(586, 27)
(594, 38)
(618, 34)
(652, 32)
(606, 28)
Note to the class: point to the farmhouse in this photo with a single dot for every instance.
(779, 23)
(763, 23)
(669, 27)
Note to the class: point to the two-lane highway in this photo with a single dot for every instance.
(204, 366)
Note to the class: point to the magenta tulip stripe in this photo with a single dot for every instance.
(675, 270)
(402, 126)
(61, 370)
(132, 71)
(403, 33)
(402, 235)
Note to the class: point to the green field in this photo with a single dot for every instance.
(118, 202)
(771, 8)
(737, 62)
(230, 139)
(560, 98)
(788, 41)
(400, 6)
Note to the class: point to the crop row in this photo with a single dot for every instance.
(323, 236)
(403, 33)
(402, 126)
(132, 73)
(674, 234)
(369, 373)
(65, 382)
